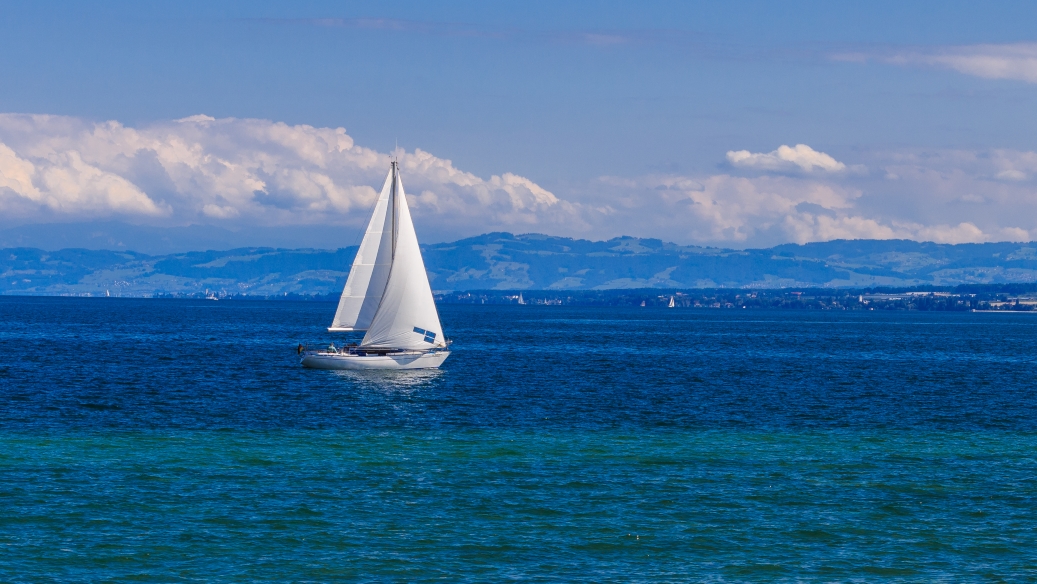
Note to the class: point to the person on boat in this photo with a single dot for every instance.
(300, 349)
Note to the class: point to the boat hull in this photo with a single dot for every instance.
(391, 361)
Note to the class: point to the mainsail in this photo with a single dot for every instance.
(406, 317)
(370, 270)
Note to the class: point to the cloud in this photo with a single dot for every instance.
(16, 175)
(736, 208)
(750, 211)
(241, 173)
(1014, 165)
(786, 158)
(65, 183)
(1017, 61)
(964, 232)
(946, 196)
(254, 172)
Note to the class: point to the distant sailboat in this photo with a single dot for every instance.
(671, 302)
(642, 303)
(387, 295)
(520, 299)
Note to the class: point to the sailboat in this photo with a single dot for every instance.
(671, 305)
(387, 296)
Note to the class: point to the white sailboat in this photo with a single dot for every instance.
(671, 305)
(387, 295)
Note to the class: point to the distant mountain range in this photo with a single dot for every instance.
(504, 261)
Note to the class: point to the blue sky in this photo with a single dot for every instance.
(629, 116)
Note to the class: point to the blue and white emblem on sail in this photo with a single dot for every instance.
(430, 337)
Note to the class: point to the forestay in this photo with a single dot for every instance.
(370, 271)
(407, 316)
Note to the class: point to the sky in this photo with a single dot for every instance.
(735, 124)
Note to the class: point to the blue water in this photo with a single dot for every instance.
(168, 440)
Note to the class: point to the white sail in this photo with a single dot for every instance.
(407, 316)
(370, 271)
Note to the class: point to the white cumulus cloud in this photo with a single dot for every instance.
(201, 169)
(799, 157)
(946, 196)
(749, 211)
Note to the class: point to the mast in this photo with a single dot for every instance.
(395, 206)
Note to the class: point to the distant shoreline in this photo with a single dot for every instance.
(1006, 298)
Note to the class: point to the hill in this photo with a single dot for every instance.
(504, 261)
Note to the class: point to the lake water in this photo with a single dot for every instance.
(170, 440)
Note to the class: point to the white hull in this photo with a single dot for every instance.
(405, 360)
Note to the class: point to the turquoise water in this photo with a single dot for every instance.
(180, 441)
